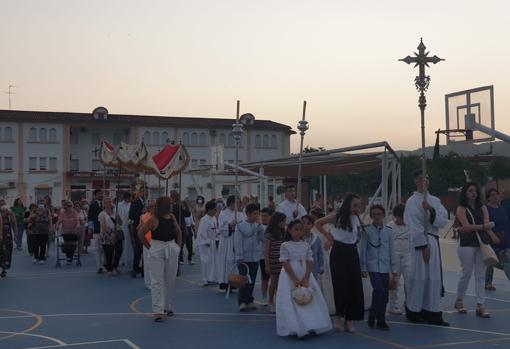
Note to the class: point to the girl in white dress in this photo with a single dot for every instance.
(291, 318)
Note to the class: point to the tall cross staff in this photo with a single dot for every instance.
(422, 82)
(237, 131)
(302, 127)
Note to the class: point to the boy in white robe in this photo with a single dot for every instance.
(290, 207)
(424, 285)
(206, 242)
(124, 206)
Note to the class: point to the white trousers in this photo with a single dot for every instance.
(164, 259)
(402, 271)
(98, 248)
(146, 269)
(471, 258)
(207, 263)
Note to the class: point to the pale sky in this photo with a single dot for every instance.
(196, 58)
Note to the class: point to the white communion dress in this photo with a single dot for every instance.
(291, 318)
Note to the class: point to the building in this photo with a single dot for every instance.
(57, 153)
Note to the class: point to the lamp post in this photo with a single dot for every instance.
(422, 82)
(302, 127)
(237, 131)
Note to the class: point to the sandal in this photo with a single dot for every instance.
(490, 287)
(337, 325)
(481, 312)
(349, 328)
(459, 306)
(158, 318)
(169, 313)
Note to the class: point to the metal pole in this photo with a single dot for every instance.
(302, 128)
(237, 164)
(325, 194)
(423, 103)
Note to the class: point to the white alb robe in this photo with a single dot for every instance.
(424, 282)
(226, 256)
(127, 251)
(206, 242)
(288, 207)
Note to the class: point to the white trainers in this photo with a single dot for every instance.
(251, 306)
(272, 308)
(243, 307)
(395, 311)
(264, 302)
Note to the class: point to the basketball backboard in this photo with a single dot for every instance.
(470, 115)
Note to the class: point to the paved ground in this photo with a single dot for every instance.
(41, 306)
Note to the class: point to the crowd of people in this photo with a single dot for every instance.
(312, 264)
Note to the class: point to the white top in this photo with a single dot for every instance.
(226, 217)
(347, 237)
(287, 208)
(207, 231)
(295, 251)
(124, 213)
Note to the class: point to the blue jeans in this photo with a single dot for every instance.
(19, 235)
(380, 282)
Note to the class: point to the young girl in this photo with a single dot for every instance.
(275, 234)
(297, 260)
(315, 245)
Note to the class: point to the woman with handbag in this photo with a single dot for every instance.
(300, 306)
(475, 231)
(163, 254)
(110, 236)
(502, 230)
(69, 223)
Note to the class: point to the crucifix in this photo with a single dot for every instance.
(422, 82)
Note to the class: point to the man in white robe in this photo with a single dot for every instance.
(123, 207)
(206, 242)
(424, 284)
(290, 206)
(226, 258)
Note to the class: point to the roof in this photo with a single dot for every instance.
(145, 120)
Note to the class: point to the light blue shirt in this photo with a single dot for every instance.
(248, 240)
(377, 251)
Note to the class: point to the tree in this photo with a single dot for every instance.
(499, 169)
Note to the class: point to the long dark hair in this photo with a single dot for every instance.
(463, 200)
(274, 231)
(163, 206)
(343, 216)
(288, 236)
(18, 203)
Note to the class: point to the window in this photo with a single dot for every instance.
(230, 141)
(75, 138)
(146, 137)
(96, 139)
(164, 137)
(155, 138)
(273, 142)
(8, 163)
(96, 165)
(194, 163)
(8, 134)
(265, 141)
(53, 164)
(203, 162)
(53, 135)
(203, 139)
(42, 164)
(32, 164)
(185, 138)
(75, 165)
(223, 139)
(32, 134)
(43, 137)
(117, 138)
(258, 142)
(194, 138)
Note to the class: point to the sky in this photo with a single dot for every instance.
(197, 57)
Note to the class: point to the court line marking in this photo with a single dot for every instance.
(450, 344)
(38, 322)
(127, 341)
(56, 340)
(135, 314)
(490, 298)
(381, 340)
(450, 328)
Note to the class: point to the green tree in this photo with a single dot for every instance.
(499, 169)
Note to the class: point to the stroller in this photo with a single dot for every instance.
(68, 245)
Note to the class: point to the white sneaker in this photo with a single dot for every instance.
(35, 261)
(251, 306)
(264, 302)
(272, 309)
(395, 311)
(42, 261)
(243, 307)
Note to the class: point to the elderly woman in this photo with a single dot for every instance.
(110, 236)
(9, 229)
(69, 223)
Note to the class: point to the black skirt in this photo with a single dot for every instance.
(347, 284)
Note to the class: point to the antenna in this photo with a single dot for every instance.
(11, 93)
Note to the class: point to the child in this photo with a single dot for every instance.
(206, 242)
(265, 216)
(402, 253)
(248, 238)
(376, 258)
(315, 245)
(297, 260)
(275, 234)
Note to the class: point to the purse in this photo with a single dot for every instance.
(489, 257)
(302, 295)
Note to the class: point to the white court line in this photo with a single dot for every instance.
(450, 328)
(126, 341)
(490, 298)
(133, 314)
(58, 341)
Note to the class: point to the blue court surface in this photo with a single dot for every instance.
(73, 307)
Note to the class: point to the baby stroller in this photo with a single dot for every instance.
(68, 248)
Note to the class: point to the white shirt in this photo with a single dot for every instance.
(287, 208)
(400, 237)
(347, 237)
(124, 213)
(207, 231)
